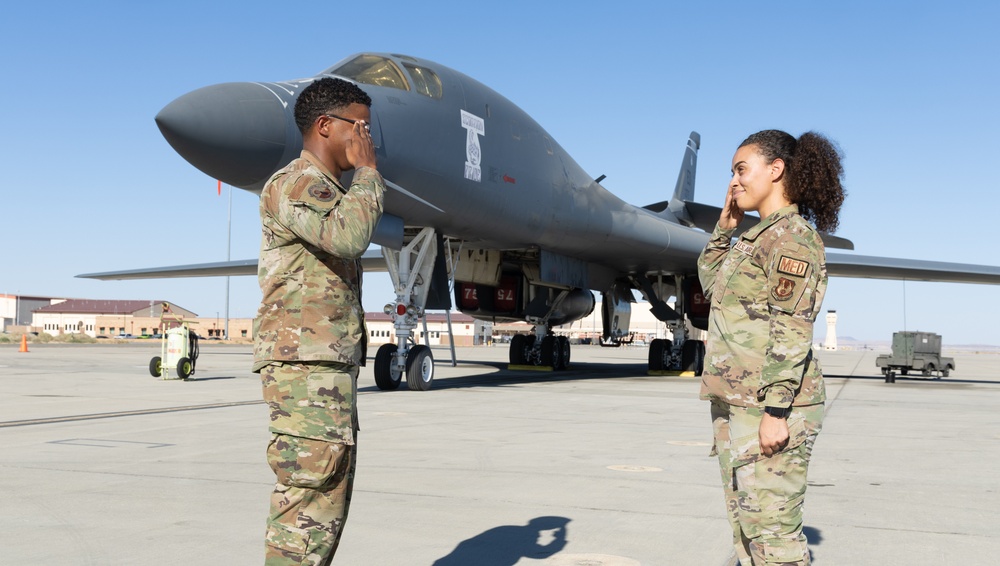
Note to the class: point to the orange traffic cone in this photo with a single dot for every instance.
(24, 343)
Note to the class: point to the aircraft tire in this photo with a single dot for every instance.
(184, 367)
(659, 348)
(419, 368)
(550, 354)
(564, 348)
(518, 346)
(693, 356)
(385, 380)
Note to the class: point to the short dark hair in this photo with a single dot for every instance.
(326, 95)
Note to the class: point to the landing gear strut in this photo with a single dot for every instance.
(410, 269)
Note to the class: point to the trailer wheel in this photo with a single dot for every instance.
(156, 366)
(902, 371)
(184, 367)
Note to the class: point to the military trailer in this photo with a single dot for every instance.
(916, 352)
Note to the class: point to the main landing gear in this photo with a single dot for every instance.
(663, 357)
(541, 349)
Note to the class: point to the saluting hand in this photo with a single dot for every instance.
(361, 148)
(731, 215)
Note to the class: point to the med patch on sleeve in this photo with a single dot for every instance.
(790, 275)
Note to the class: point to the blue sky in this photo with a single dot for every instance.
(908, 89)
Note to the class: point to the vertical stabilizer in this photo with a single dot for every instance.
(684, 190)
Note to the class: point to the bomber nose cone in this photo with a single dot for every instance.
(238, 133)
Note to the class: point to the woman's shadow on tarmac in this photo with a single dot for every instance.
(504, 546)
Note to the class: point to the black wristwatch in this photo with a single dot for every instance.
(779, 412)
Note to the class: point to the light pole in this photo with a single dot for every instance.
(229, 245)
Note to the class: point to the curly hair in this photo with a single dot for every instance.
(813, 173)
(324, 96)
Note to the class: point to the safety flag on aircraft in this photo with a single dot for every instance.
(220, 188)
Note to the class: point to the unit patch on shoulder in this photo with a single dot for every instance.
(744, 247)
(783, 290)
(795, 267)
(321, 193)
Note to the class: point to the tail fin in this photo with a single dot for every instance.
(684, 190)
(673, 209)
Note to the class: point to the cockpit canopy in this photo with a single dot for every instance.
(381, 71)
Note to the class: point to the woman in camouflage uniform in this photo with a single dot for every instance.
(766, 289)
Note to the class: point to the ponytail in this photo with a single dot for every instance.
(813, 173)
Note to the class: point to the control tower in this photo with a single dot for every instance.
(831, 331)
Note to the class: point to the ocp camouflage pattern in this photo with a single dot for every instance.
(311, 499)
(313, 233)
(312, 400)
(764, 495)
(765, 291)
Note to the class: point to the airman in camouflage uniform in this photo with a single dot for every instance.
(310, 334)
(765, 386)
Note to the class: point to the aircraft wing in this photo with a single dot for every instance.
(705, 216)
(371, 261)
(872, 267)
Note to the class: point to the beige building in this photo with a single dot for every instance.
(15, 311)
(463, 328)
(110, 318)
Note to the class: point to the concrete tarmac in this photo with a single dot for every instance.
(600, 465)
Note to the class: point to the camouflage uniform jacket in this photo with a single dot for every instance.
(314, 232)
(765, 293)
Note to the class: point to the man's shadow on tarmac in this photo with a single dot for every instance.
(815, 537)
(541, 538)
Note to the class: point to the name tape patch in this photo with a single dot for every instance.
(795, 267)
(744, 247)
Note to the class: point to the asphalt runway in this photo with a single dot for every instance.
(600, 465)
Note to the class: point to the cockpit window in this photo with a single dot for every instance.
(425, 81)
(372, 70)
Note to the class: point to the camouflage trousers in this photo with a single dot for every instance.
(764, 495)
(314, 476)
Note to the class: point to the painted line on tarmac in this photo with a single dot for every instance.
(116, 414)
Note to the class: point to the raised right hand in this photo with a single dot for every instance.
(731, 215)
(361, 148)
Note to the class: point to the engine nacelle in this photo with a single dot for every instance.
(578, 304)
